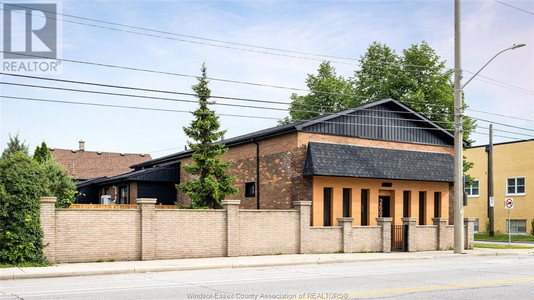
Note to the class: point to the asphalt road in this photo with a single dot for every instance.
(461, 277)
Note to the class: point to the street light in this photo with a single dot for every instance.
(458, 122)
(511, 48)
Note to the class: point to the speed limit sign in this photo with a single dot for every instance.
(509, 203)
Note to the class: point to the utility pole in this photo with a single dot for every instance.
(458, 139)
(491, 200)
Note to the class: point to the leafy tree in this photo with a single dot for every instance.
(329, 93)
(13, 146)
(377, 77)
(211, 183)
(21, 187)
(41, 154)
(418, 78)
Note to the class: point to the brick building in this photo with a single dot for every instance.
(84, 165)
(381, 159)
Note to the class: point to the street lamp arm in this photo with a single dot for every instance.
(511, 48)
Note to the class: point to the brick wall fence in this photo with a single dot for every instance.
(147, 233)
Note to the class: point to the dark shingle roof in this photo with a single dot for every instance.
(366, 162)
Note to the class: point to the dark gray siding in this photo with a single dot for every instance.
(383, 122)
(88, 195)
(165, 192)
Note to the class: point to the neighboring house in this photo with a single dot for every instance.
(87, 166)
(84, 165)
(513, 170)
(381, 159)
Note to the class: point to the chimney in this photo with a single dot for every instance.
(82, 145)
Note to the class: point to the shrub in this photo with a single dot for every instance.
(21, 188)
(58, 183)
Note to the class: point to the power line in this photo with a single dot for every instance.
(242, 44)
(183, 111)
(209, 78)
(222, 104)
(189, 41)
(235, 48)
(199, 38)
(126, 106)
(502, 124)
(219, 97)
(500, 115)
(514, 7)
(177, 93)
(506, 131)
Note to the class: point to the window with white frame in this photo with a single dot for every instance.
(472, 189)
(515, 186)
(516, 226)
(476, 226)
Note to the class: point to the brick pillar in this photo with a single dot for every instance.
(48, 224)
(385, 223)
(441, 223)
(232, 226)
(346, 226)
(469, 233)
(304, 226)
(411, 223)
(148, 227)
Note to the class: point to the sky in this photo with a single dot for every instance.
(344, 29)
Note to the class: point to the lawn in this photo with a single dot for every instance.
(503, 237)
(500, 246)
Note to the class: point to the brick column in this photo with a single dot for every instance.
(148, 230)
(469, 233)
(304, 226)
(346, 226)
(232, 226)
(441, 223)
(48, 224)
(411, 223)
(385, 223)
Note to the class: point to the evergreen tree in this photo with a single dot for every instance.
(41, 154)
(57, 182)
(210, 183)
(15, 145)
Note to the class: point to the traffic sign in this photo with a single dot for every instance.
(509, 203)
(491, 201)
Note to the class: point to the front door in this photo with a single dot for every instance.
(383, 207)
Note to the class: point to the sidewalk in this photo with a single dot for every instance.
(106, 268)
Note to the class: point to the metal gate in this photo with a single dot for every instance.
(399, 237)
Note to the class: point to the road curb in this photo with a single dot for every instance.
(233, 265)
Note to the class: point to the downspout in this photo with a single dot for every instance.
(257, 173)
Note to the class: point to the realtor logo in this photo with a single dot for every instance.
(30, 30)
(31, 38)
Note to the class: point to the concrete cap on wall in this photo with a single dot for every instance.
(409, 219)
(146, 200)
(302, 203)
(384, 219)
(345, 219)
(231, 202)
(48, 199)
